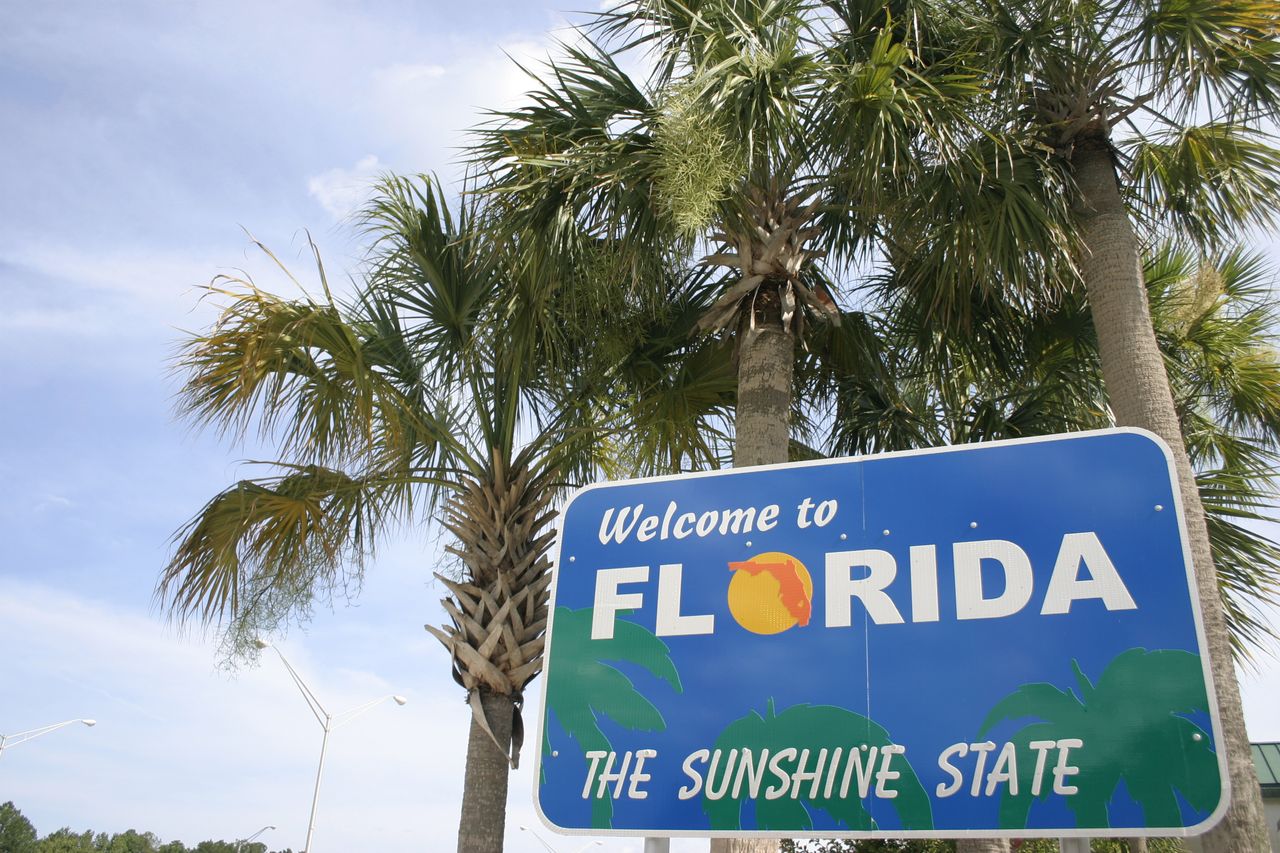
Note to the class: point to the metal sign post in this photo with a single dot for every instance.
(1000, 640)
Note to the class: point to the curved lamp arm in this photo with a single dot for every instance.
(10, 741)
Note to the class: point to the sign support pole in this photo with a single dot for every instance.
(1074, 845)
(657, 845)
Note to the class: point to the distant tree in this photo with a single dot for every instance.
(17, 835)
(131, 841)
(66, 841)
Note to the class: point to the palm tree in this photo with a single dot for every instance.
(1140, 694)
(773, 132)
(770, 132)
(1153, 110)
(435, 388)
(904, 384)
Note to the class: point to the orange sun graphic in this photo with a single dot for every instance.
(770, 593)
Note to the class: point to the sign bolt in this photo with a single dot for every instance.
(1159, 507)
(748, 543)
(886, 533)
(572, 559)
(1196, 736)
(555, 753)
(973, 524)
(844, 536)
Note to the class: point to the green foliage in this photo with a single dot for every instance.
(812, 729)
(1215, 320)
(17, 835)
(1134, 709)
(583, 686)
(131, 841)
(66, 841)
(445, 364)
(750, 105)
(1183, 93)
(900, 379)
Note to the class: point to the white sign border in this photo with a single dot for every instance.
(1204, 826)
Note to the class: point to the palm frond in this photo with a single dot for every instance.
(1226, 50)
(298, 369)
(1205, 181)
(280, 542)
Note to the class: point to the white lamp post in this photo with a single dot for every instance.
(10, 741)
(243, 842)
(327, 721)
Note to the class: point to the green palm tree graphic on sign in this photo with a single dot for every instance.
(582, 687)
(812, 728)
(1132, 731)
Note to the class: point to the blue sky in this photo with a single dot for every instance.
(141, 140)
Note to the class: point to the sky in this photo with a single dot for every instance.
(143, 142)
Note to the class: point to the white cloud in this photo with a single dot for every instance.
(340, 191)
(52, 503)
(428, 109)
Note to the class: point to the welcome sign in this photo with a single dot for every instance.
(998, 639)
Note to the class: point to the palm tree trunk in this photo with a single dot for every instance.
(982, 845)
(1138, 389)
(484, 791)
(762, 434)
(1137, 845)
(744, 845)
(766, 361)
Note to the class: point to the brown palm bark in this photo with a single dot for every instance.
(1138, 389)
(743, 845)
(484, 789)
(1137, 845)
(762, 431)
(762, 422)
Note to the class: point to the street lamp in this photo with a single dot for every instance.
(244, 841)
(10, 741)
(551, 849)
(327, 721)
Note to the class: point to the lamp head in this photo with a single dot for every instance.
(399, 700)
(260, 643)
(90, 723)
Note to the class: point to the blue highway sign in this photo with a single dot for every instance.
(995, 640)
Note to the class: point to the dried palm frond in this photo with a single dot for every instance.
(499, 613)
